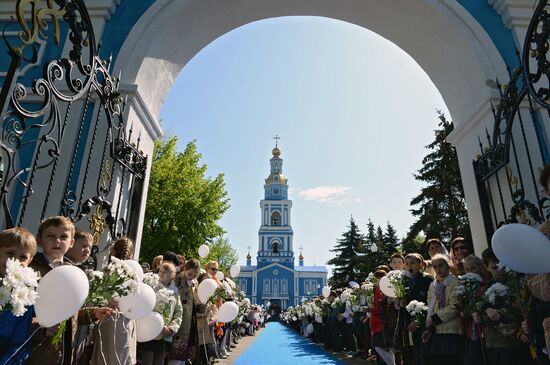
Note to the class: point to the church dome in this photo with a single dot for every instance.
(276, 178)
(276, 152)
(248, 257)
(301, 257)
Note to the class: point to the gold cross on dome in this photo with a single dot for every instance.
(276, 138)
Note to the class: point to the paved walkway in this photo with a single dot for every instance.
(278, 345)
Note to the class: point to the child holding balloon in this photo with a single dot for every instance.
(154, 352)
(19, 244)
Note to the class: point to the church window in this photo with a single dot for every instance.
(284, 287)
(266, 285)
(276, 219)
(275, 286)
(275, 247)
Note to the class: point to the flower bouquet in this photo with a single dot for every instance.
(497, 295)
(164, 298)
(220, 295)
(418, 312)
(400, 282)
(117, 280)
(18, 288)
(151, 279)
(367, 292)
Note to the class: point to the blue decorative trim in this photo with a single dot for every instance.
(492, 22)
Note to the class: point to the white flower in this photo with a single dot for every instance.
(460, 290)
(470, 277)
(497, 290)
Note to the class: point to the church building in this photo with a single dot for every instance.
(275, 278)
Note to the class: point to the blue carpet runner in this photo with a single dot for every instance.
(278, 345)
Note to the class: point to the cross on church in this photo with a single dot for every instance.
(301, 248)
(249, 248)
(276, 138)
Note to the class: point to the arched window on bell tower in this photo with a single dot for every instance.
(276, 219)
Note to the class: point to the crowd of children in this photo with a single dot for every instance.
(472, 311)
(101, 335)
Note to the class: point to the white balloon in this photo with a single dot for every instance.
(139, 305)
(257, 316)
(61, 293)
(247, 301)
(137, 268)
(268, 304)
(228, 311)
(522, 248)
(374, 248)
(220, 275)
(235, 270)
(150, 327)
(206, 289)
(318, 318)
(309, 329)
(204, 251)
(353, 284)
(326, 291)
(386, 287)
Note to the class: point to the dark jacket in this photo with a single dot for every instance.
(44, 353)
(418, 290)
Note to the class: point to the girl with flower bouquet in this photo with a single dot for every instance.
(500, 315)
(168, 304)
(115, 340)
(184, 345)
(409, 332)
(443, 324)
(17, 248)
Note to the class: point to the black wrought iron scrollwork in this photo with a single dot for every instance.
(503, 197)
(34, 121)
(498, 155)
(537, 74)
(129, 156)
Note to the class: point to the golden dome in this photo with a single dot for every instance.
(248, 257)
(276, 152)
(301, 257)
(271, 179)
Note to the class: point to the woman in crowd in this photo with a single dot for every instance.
(443, 322)
(184, 345)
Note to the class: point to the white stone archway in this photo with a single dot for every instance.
(443, 38)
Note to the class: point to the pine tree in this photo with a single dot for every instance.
(348, 258)
(440, 209)
(391, 240)
(374, 238)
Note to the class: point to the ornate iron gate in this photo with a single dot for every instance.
(65, 148)
(506, 170)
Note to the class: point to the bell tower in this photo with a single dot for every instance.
(275, 234)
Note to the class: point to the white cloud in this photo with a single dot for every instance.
(325, 194)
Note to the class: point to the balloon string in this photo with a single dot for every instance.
(12, 357)
(114, 336)
(101, 342)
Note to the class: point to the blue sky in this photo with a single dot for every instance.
(353, 110)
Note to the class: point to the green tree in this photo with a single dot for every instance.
(348, 258)
(440, 209)
(415, 244)
(376, 250)
(183, 204)
(222, 252)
